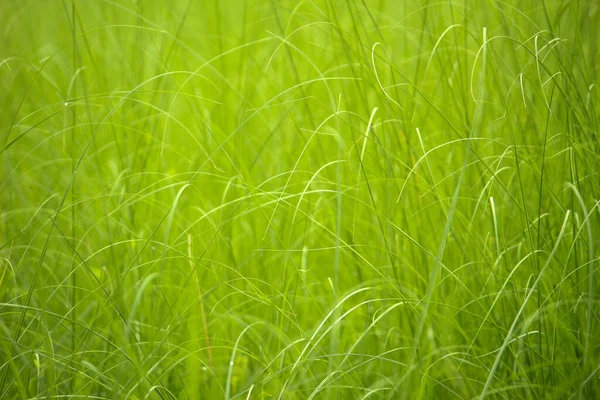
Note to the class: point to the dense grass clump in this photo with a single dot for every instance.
(299, 200)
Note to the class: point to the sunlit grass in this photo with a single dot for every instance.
(299, 200)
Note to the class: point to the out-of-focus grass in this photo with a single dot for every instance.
(315, 199)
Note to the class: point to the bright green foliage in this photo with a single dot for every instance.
(299, 199)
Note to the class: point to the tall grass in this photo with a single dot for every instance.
(299, 200)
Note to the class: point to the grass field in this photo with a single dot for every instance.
(314, 199)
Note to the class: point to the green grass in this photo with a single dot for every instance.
(299, 200)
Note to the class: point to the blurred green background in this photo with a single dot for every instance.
(314, 199)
